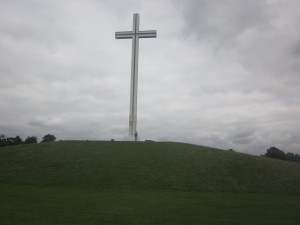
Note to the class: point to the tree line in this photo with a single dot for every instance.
(8, 141)
(276, 153)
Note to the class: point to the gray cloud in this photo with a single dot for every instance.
(224, 21)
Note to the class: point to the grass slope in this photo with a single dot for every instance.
(92, 182)
(144, 165)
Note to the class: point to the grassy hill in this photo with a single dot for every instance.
(93, 182)
(145, 165)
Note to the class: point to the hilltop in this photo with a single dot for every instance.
(145, 166)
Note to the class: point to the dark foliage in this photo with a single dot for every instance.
(2, 140)
(14, 141)
(292, 157)
(7, 141)
(31, 140)
(49, 138)
(276, 153)
(18, 140)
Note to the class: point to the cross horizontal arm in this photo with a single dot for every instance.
(147, 34)
(124, 35)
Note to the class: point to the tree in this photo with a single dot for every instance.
(292, 157)
(297, 158)
(275, 153)
(49, 138)
(31, 140)
(278, 154)
(18, 140)
(14, 141)
(2, 140)
(6, 141)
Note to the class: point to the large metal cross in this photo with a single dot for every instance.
(135, 34)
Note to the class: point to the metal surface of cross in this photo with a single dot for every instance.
(135, 35)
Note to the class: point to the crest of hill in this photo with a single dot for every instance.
(145, 166)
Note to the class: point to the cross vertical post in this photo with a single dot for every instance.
(135, 35)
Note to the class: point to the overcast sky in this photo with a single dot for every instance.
(221, 73)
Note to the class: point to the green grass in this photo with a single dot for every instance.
(56, 205)
(90, 182)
